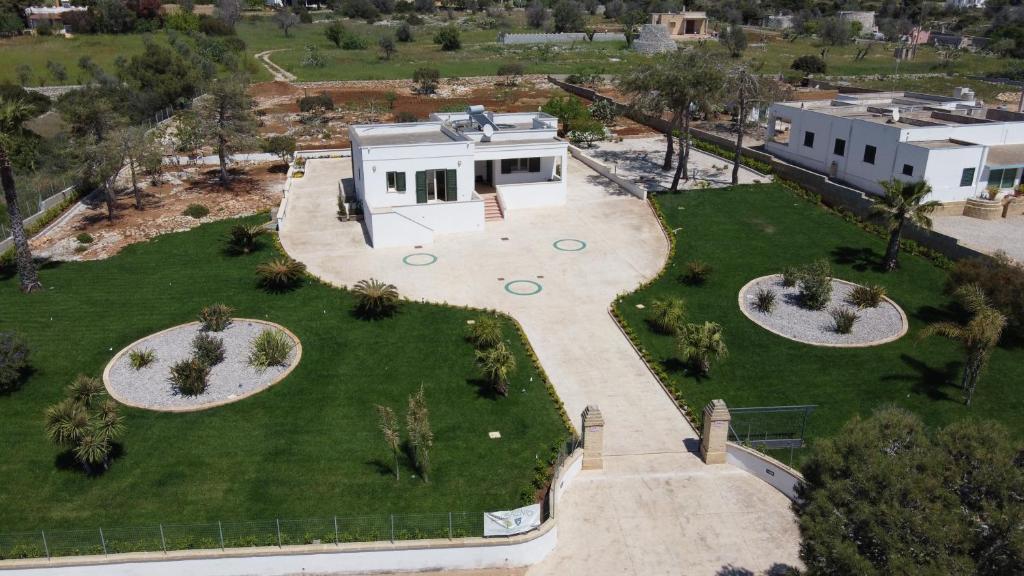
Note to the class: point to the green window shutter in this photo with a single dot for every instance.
(400, 182)
(451, 185)
(534, 164)
(421, 187)
(506, 166)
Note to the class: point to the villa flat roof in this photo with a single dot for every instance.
(940, 144)
(1005, 155)
(394, 138)
(516, 142)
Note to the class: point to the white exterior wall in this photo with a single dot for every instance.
(390, 229)
(376, 161)
(547, 171)
(946, 166)
(514, 197)
(465, 216)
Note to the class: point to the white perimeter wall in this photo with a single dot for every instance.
(782, 478)
(514, 197)
(390, 229)
(446, 216)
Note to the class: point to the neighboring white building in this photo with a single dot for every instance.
(958, 146)
(866, 19)
(965, 4)
(454, 172)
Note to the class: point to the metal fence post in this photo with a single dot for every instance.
(103, 541)
(335, 530)
(220, 529)
(46, 548)
(392, 528)
(449, 525)
(163, 542)
(278, 521)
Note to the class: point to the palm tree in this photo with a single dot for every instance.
(667, 315)
(497, 364)
(485, 332)
(700, 343)
(977, 337)
(13, 115)
(67, 422)
(902, 202)
(745, 86)
(375, 299)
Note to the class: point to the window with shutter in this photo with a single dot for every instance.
(421, 187)
(400, 183)
(451, 186)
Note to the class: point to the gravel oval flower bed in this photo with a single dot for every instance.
(231, 380)
(878, 325)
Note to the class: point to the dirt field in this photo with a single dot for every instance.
(256, 188)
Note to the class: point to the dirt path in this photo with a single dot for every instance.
(276, 71)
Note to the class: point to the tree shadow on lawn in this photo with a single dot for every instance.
(929, 381)
(9, 270)
(23, 376)
(674, 365)
(860, 259)
(484, 388)
(66, 461)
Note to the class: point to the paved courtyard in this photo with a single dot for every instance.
(655, 508)
(988, 236)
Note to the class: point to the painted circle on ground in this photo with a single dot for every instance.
(523, 287)
(419, 259)
(569, 245)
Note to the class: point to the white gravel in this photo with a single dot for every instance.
(875, 326)
(231, 380)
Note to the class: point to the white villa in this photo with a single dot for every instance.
(956, 144)
(454, 172)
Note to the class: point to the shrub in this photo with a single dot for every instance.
(405, 116)
(85, 238)
(208, 349)
(14, 355)
(1001, 279)
(790, 276)
(375, 299)
(141, 357)
(809, 64)
(196, 211)
(404, 33)
(190, 377)
(512, 71)
(448, 38)
(280, 274)
(269, 348)
(216, 317)
(426, 79)
(764, 300)
(497, 364)
(697, 272)
(843, 319)
(667, 316)
(485, 332)
(387, 46)
(699, 344)
(244, 239)
(311, 57)
(866, 296)
(603, 111)
(321, 102)
(816, 285)
(353, 42)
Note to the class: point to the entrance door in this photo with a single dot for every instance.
(438, 181)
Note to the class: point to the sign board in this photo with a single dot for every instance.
(511, 522)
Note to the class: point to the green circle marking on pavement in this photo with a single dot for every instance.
(574, 245)
(530, 289)
(419, 259)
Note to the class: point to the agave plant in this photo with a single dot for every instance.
(280, 274)
(244, 239)
(497, 363)
(375, 299)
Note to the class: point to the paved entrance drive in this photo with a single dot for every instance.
(988, 236)
(655, 508)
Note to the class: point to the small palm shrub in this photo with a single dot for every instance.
(196, 211)
(485, 332)
(843, 319)
(866, 296)
(816, 285)
(667, 316)
(280, 274)
(208, 349)
(141, 357)
(216, 317)
(497, 364)
(85, 238)
(269, 348)
(14, 354)
(190, 377)
(764, 300)
(375, 299)
(790, 276)
(699, 344)
(86, 423)
(697, 272)
(245, 239)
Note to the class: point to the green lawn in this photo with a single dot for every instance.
(750, 231)
(307, 447)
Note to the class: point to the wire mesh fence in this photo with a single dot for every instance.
(774, 430)
(221, 535)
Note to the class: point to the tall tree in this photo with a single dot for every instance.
(13, 115)
(645, 85)
(225, 112)
(902, 202)
(101, 163)
(977, 337)
(140, 152)
(745, 86)
(696, 89)
(421, 438)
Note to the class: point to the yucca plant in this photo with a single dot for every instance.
(843, 319)
(141, 357)
(667, 316)
(190, 377)
(86, 390)
(375, 299)
(216, 317)
(269, 348)
(699, 344)
(280, 274)
(208, 349)
(244, 239)
(485, 332)
(86, 423)
(764, 300)
(497, 364)
(866, 296)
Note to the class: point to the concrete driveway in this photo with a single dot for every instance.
(987, 236)
(655, 508)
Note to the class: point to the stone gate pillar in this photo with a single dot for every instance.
(715, 432)
(593, 438)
